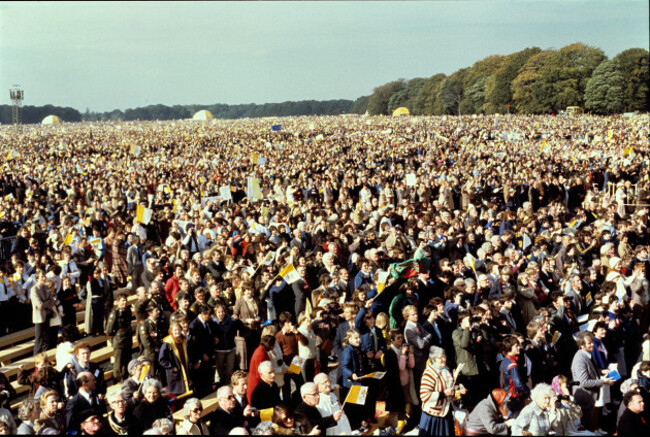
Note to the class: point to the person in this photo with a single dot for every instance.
(415, 335)
(52, 418)
(201, 344)
(227, 329)
(174, 359)
(466, 339)
(436, 393)
(563, 412)
(534, 418)
(192, 423)
(90, 423)
(118, 327)
(267, 392)
(490, 416)
(286, 422)
(398, 359)
(309, 408)
(120, 419)
(7, 391)
(149, 336)
(153, 406)
(632, 422)
(82, 363)
(28, 411)
(512, 379)
(352, 366)
(96, 301)
(260, 355)
(84, 399)
(44, 314)
(225, 417)
(329, 404)
(584, 371)
(239, 383)
(288, 339)
(7, 422)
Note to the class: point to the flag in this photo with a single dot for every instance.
(526, 241)
(276, 127)
(357, 395)
(144, 373)
(253, 190)
(308, 308)
(374, 375)
(382, 277)
(256, 159)
(289, 274)
(406, 269)
(411, 180)
(268, 258)
(96, 243)
(143, 214)
(296, 365)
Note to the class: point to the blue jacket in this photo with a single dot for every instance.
(510, 378)
(226, 332)
(351, 362)
(600, 359)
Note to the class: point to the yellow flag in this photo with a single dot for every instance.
(296, 365)
(289, 274)
(266, 415)
(357, 395)
(308, 308)
(68, 239)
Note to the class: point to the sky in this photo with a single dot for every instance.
(106, 56)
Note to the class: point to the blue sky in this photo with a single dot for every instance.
(106, 56)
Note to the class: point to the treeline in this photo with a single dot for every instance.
(162, 112)
(36, 114)
(532, 81)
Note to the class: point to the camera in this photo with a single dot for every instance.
(573, 383)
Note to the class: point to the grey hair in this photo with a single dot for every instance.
(151, 382)
(25, 409)
(113, 395)
(321, 378)
(191, 404)
(435, 352)
(541, 389)
(469, 281)
(8, 419)
(221, 393)
(627, 384)
(306, 387)
(263, 365)
(164, 425)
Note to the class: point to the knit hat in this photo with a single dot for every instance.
(613, 261)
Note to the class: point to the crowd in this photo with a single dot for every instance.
(438, 275)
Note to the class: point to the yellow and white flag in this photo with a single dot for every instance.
(225, 193)
(266, 415)
(357, 395)
(289, 274)
(296, 365)
(308, 308)
(381, 281)
(253, 190)
(143, 214)
(256, 159)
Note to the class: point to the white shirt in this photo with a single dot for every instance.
(327, 406)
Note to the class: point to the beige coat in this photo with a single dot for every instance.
(42, 301)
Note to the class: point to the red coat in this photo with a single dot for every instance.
(172, 287)
(259, 355)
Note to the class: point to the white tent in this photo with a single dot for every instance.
(203, 115)
(51, 119)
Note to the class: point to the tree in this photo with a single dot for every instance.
(634, 67)
(407, 96)
(451, 92)
(378, 101)
(605, 92)
(498, 92)
(425, 103)
(360, 106)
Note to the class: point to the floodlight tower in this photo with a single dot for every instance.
(17, 95)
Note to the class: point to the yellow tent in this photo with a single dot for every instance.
(51, 119)
(203, 115)
(401, 111)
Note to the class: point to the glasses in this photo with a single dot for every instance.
(312, 394)
(197, 410)
(119, 402)
(229, 397)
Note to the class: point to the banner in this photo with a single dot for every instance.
(296, 365)
(276, 127)
(411, 180)
(143, 214)
(357, 395)
(253, 190)
(225, 193)
(289, 274)
(213, 199)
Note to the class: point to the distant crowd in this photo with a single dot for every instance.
(329, 275)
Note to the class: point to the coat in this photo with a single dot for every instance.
(395, 401)
(532, 419)
(315, 418)
(44, 304)
(420, 339)
(351, 363)
(169, 358)
(260, 355)
(465, 351)
(485, 418)
(584, 372)
(189, 428)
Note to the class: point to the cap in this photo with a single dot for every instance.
(132, 364)
(86, 414)
(499, 395)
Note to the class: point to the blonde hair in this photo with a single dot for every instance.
(381, 321)
(269, 330)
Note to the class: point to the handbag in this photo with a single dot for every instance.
(242, 354)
